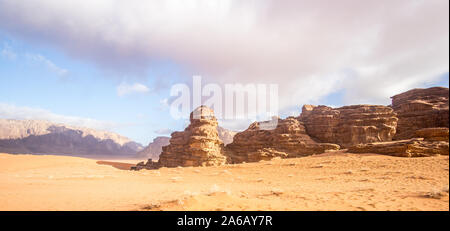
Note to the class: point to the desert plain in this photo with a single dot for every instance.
(329, 181)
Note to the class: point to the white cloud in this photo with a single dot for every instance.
(163, 131)
(40, 59)
(9, 111)
(164, 104)
(7, 52)
(383, 46)
(125, 89)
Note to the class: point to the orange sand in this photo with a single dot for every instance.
(337, 181)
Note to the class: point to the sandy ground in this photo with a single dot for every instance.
(338, 181)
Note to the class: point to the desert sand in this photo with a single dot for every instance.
(331, 181)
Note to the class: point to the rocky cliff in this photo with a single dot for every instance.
(349, 125)
(154, 148)
(288, 139)
(42, 137)
(415, 147)
(420, 108)
(197, 145)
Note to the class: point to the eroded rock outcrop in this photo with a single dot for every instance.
(349, 125)
(420, 108)
(287, 139)
(197, 145)
(433, 134)
(150, 164)
(415, 147)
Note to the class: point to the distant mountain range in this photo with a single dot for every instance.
(154, 148)
(42, 137)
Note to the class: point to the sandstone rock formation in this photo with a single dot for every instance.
(154, 149)
(415, 147)
(420, 108)
(433, 134)
(197, 145)
(349, 125)
(42, 137)
(150, 164)
(288, 139)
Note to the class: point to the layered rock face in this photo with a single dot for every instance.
(420, 108)
(349, 125)
(429, 142)
(154, 149)
(42, 137)
(197, 145)
(287, 139)
(433, 134)
(416, 147)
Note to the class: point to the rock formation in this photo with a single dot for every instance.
(154, 149)
(415, 147)
(42, 137)
(197, 145)
(349, 125)
(433, 134)
(150, 164)
(287, 139)
(420, 108)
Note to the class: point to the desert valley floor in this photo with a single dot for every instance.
(330, 181)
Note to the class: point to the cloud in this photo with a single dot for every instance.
(7, 52)
(369, 49)
(10, 54)
(125, 89)
(164, 104)
(163, 131)
(40, 59)
(9, 111)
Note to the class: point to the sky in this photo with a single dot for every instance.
(110, 64)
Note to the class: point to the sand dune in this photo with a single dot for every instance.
(337, 181)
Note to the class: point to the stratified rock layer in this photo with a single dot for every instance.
(433, 134)
(287, 139)
(416, 147)
(420, 108)
(197, 145)
(349, 125)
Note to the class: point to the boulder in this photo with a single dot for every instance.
(349, 125)
(197, 145)
(287, 138)
(420, 108)
(149, 165)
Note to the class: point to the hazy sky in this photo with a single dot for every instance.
(110, 64)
